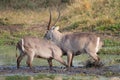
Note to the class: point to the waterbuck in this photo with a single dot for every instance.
(40, 48)
(74, 43)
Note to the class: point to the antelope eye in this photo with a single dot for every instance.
(53, 28)
(47, 31)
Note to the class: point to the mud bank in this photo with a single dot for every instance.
(104, 71)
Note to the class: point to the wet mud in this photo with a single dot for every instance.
(103, 71)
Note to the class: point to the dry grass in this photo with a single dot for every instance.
(23, 17)
(102, 16)
(93, 12)
(86, 12)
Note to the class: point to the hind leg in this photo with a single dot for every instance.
(93, 53)
(95, 57)
(59, 59)
(29, 60)
(19, 59)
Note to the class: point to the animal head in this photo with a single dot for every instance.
(52, 30)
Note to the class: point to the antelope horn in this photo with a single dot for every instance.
(58, 17)
(48, 27)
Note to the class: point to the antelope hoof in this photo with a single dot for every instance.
(52, 70)
(18, 67)
(68, 69)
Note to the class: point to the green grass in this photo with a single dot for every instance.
(72, 26)
(55, 77)
(110, 50)
(111, 43)
(17, 77)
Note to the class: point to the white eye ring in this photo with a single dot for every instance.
(53, 28)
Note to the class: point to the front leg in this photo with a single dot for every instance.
(50, 63)
(69, 59)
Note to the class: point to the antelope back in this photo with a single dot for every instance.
(39, 47)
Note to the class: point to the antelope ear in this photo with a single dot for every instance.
(57, 28)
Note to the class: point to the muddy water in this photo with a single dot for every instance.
(40, 71)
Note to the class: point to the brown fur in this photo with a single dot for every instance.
(75, 43)
(40, 48)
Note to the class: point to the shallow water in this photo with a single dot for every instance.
(7, 58)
